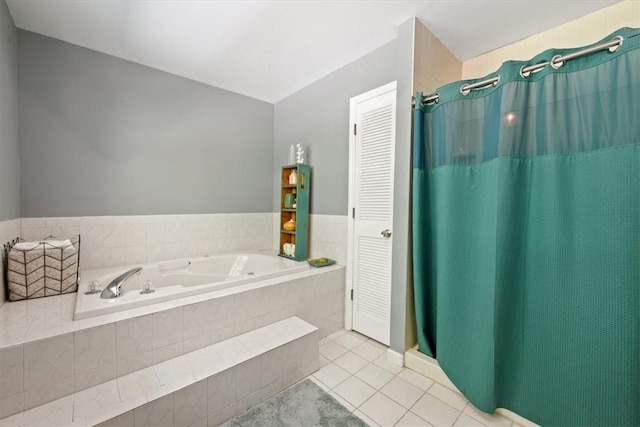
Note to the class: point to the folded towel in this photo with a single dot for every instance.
(58, 243)
(43, 244)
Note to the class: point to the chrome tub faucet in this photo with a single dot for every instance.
(113, 289)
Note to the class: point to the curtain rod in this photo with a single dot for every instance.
(556, 62)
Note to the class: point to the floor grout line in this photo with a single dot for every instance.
(393, 376)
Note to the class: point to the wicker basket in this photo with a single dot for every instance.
(40, 269)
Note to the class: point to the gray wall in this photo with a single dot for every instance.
(9, 154)
(103, 136)
(318, 117)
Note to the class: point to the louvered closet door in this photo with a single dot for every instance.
(374, 151)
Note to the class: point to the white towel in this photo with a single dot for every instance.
(43, 244)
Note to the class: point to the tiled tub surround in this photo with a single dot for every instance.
(9, 230)
(207, 386)
(109, 241)
(45, 355)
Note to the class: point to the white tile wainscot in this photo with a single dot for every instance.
(9, 230)
(208, 386)
(327, 236)
(45, 355)
(108, 241)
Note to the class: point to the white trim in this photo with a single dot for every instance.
(513, 417)
(348, 307)
(430, 368)
(395, 357)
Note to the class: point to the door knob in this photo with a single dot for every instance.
(385, 233)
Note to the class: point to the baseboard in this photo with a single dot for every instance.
(395, 357)
(429, 367)
(512, 416)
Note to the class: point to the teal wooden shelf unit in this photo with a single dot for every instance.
(297, 193)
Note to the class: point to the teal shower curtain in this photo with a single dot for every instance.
(526, 234)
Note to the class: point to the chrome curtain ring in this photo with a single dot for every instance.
(620, 41)
(554, 64)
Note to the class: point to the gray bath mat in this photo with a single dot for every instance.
(304, 404)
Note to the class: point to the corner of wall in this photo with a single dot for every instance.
(10, 223)
(9, 147)
(402, 183)
(434, 64)
(582, 31)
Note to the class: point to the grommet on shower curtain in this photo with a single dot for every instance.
(614, 48)
(466, 89)
(431, 99)
(557, 65)
(537, 67)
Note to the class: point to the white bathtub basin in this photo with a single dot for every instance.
(179, 278)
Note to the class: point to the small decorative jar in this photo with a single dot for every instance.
(289, 225)
(289, 200)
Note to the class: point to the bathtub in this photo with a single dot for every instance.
(179, 278)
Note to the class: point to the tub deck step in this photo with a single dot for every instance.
(214, 383)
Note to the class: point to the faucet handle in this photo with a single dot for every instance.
(147, 287)
(94, 287)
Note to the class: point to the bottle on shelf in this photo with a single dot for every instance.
(292, 155)
(289, 225)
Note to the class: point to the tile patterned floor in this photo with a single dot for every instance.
(354, 370)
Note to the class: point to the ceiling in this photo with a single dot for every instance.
(270, 49)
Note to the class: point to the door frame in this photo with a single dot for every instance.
(389, 87)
